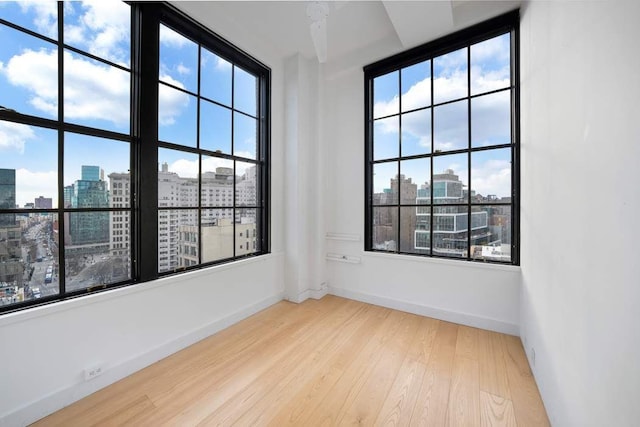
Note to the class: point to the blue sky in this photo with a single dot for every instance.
(490, 116)
(97, 94)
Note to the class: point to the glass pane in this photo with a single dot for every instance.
(177, 116)
(491, 233)
(177, 178)
(415, 175)
(28, 166)
(102, 28)
(450, 76)
(491, 176)
(28, 257)
(217, 216)
(247, 233)
(217, 181)
(215, 127)
(413, 238)
(450, 226)
(416, 132)
(385, 183)
(215, 78)
(88, 162)
(175, 227)
(119, 245)
(245, 91)
(178, 60)
(385, 95)
(29, 73)
(386, 141)
(450, 179)
(245, 132)
(416, 86)
(491, 119)
(490, 64)
(188, 245)
(421, 235)
(95, 94)
(246, 184)
(38, 16)
(385, 229)
(451, 126)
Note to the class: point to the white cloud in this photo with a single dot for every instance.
(222, 65)
(92, 90)
(182, 69)
(103, 28)
(492, 177)
(171, 38)
(30, 185)
(46, 13)
(13, 136)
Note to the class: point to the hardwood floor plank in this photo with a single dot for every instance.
(527, 404)
(464, 395)
(329, 362)
(496, 411)
(493, 372)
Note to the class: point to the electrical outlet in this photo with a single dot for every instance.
(91, 373)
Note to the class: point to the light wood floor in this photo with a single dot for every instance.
(328, 362)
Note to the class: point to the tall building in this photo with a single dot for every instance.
(89, 228)
(11, 269)
(119, 230)
(43, 203)
(7, 195)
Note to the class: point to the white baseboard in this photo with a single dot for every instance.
(65, 396)
(436, 313)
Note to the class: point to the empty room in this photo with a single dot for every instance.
(319, 213)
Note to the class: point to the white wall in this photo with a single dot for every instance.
(44, 350)
(476, 295)
(580, 208)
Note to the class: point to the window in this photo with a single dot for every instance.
(442, 140)
(80, 185)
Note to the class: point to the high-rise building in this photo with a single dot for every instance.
(92, 173)
(89, 228)
(43, 203)
(7, 195)
(11, 269)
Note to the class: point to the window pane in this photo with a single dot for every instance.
(416, 132)
(246, 194)
(450, 228)
(188, 245)
(171, 223)
(385, 95)
(28, 166)
(177, 178)
(410, 230)
(29, 73)
(245, 91)
(416, 175)
(88, 162)
(450, 179)
(386, 141)
(450, 76)
(177, 116)
(215, 127)
(451, 126)
(217, 181)
(491, 176)
(490, 64)
(216, 216)
(28, 257)
(416, 86)
(491, 119)
(385, 183)
(247, 240)
(491, 233)
(119, 245)
(385, 228)
(215, 77)
(102, 28)
(40, 17)
(178, 60)
(245, 133)
(95, 94)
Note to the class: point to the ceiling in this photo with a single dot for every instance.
(351, 25)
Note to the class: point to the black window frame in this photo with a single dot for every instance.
(142, 137)
(506, 23)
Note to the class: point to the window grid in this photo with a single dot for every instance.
(506, 24)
